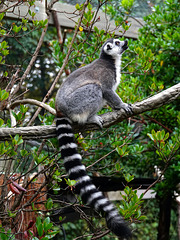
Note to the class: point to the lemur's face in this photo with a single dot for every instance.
(115, 47)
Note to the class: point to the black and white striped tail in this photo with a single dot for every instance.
(84, 186)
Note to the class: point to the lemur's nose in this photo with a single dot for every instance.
(125, 42)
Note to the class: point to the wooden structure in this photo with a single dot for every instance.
(25, 211)
(67, 17)
(112, 187)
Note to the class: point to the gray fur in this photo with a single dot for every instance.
(89, 88)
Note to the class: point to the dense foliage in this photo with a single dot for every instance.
(144, 146)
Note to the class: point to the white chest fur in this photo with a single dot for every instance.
(118, 72)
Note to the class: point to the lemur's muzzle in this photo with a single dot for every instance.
(125, 46)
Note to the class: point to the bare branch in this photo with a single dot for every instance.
(44, 132)
(11, 6)
(34, 102)
(33, 59)
(35, 132)
(58, 26)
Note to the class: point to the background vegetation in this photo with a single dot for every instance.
(146, 145)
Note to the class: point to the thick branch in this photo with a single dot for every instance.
(154, 102)
(44, 132)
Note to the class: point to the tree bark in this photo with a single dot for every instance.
(43, 132)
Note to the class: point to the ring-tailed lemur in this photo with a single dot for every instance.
(79, 98)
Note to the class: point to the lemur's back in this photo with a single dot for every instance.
(99, 72)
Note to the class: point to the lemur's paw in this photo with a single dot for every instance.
(100, 122)
(127, 108)
(97, 120)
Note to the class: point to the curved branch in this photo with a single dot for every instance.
(44, 132)
(34, 102)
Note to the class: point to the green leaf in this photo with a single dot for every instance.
(45, 238)
(1, 122)
(16, 29)
(77, 6)
(158, 135)
(47, 226)
(52, 233)
(45, 21)
(3, 236)
(1, 16)
(117, 166)
(40, 230)
(47, 220)
(24, 29)
(24, 21)
(96, 29)
(5, 74)
(16, 138)
(138, 213)
(3, 95)
(2, 150)
(141, 218)
(4, 44)
(127, 190)
(33, 14)
(127, 4)
(23, 152)
(38, 221)
(11, 214)
(49, 203)
(129, 177)
(20, 140)
(150, 136)
(70, 183)
(166, 136)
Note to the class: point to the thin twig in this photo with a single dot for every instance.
(58, 26)
(101, 235)
(160, 124)
(33, 59)
(163, 171)
(138, 21)
(11, 6)
(101, 158)
(11, 82)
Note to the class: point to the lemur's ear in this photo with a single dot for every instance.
(109, 47)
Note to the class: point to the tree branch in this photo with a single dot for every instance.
(34, 102)
(33, 59)
(43, 132)
(163, 98)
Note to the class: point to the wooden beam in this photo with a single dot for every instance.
(67, 17)
(116, 195)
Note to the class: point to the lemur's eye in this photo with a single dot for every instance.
(117, 43)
